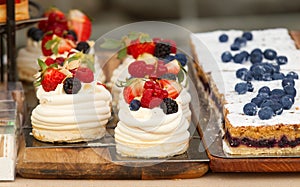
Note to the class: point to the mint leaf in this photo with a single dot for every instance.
(49, 44)
(111, 44)
(180, 75)
(42, 64)
(145, 38)
(133, 35)
(122, 53)
(55, 48)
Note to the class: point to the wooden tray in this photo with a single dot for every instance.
(210, 130)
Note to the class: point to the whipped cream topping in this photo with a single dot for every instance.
(150, 132)
(209, 50)
(26, 60)
(60, 112)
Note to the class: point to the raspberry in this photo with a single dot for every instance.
(60, 60)
(72, 85)
(162, 50)
(84, 74)
(150, 98)
(169, 106)
(49, 61)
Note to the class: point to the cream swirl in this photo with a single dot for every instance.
(26, 60)
(151, 133)
(77, 117)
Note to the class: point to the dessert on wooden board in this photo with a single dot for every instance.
(254, 77)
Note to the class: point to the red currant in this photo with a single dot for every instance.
(49, 61)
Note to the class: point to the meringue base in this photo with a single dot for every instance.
(69, 136)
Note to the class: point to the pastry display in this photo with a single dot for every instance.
(136, 47)
(66, 32)
(73, 105)
(253, 76)
(21, 10)
(153, 105)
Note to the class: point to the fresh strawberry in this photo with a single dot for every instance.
(49, 61)
(81, 24)
(173, 67)
(51, 78)
(136, 48)
(56, 45)
(172, 87)
(46, 52)
(135, 89)
(84, 74)
(55, 18)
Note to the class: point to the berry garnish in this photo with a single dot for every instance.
(240, 41)
(35, 33)
(238, 58)
(84, 74)
(290, 90)
(72, 85)
(173, 88)
(241, 73)
(292, 75)
(250, 87)
(235, 46)
(133, 90)
(286, 102)
(137, 48)
(265, 113)
(137, 69)
(169, 106)
(241, 88)
(73, 34)
(53, 44)
(223, 38)
(59, 60)
(247, 35)
(226, 56)
(250, 109)
(270, 54)
(81, 24)
(264, 89)
(162, 50)
(181, 58)
(256, 57)
(287, 81)
(83, 46)
(51, 78)
(135, 105)
(281, 60)
(49, 61)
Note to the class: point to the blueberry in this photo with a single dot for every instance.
(169, 58)
(292, 75)
(265, 113)
(281, 60)
(73, 33)
(134, 105)
(278, 92)
(286, 102)
(270, 54)
(277, 108)
(267, 77)
(257, 72)
(276, 68)
(245, 54)
(292, 98)
(290, 90)
(256, 58)
(267, 102)
(263, 95)
(258, 101)
(238, 58)
(250, 87)
(226, 56)
(223, 38)
(31, 31)
(83, 46)
(248, 76)
(287, 81)
(235, 46)
(250, 109)
(265, 89)
(256, 51)
(268, 68)
(181, 58)
(241, 88)
(241, 73)
(247, 35)
(37, 35)
(240, 41)
(277, 76)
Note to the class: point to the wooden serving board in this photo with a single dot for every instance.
(220, 162)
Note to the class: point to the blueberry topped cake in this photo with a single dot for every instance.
(253, 78)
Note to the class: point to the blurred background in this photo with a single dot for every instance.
(194, 15)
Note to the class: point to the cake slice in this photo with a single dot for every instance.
(253, 77)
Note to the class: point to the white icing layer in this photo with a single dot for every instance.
(151, 133)
(64, 117)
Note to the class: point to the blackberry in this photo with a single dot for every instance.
(169, 106)
(73, 33)
(83, 46)
(72, 85)
(162, 50)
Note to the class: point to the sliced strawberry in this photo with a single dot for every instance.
(57, 45)
(46, 52)
(172, 87)
(173, 67)
(81, 24)
(65, 45)
(136, 48)
(135, 89)
(51, 78)
(84, 74)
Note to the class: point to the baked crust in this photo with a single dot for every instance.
(21, 11)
